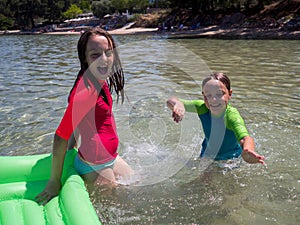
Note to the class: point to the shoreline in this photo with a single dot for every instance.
(215, 32)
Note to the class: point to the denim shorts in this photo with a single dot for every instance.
(84, 168)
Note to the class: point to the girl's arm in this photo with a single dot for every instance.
(54, 184)
(248, 153)
(73, 141)
(177, 108)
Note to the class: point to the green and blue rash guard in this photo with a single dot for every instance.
(222, 134)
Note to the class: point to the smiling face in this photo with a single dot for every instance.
(216, 96)
(99, 56)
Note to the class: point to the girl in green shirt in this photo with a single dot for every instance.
(226, 136)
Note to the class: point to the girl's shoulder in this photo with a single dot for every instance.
(232, 115)
(78, 83)
(231, 110)
(235, 122)
(83, 91)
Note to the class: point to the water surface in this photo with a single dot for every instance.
(174, 187)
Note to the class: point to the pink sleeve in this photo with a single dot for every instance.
(65, 128)
(81, 103)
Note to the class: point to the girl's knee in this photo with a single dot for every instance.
(102, 181)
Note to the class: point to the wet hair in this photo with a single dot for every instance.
(217, 76)
(116, 80)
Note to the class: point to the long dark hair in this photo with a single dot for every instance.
(116, 80)
(218, 76)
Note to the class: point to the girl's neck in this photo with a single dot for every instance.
(219, 115)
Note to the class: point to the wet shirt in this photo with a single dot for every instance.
(94, 119)
(222, 134)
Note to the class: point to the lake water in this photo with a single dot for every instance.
(172, 186)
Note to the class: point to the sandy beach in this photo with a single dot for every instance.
(136, 30)
(204, 32)
(121, 31)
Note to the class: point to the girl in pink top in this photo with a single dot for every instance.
(89, 112)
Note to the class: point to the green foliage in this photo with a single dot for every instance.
(119, 5)
(72, 12)
(85, 6)
(160, 3)
(123, 5)
(54, 10)
(24, 13)
(5, 22)
(138, 4)
(101, 8)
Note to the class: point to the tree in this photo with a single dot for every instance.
(85, 6)
(72, 12)
(25, 11)
(119, 5)
(138, 4)
(20, 14)
(123, 5)
(101, 8)
(54, 10)
(5, 22)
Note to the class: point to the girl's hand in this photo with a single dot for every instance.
(252, 157)
(177, 108)
(51, 190)
(178, 112)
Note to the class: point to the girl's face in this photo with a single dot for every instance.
(99, 56)
(216, 96)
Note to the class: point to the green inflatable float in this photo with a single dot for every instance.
(23, 177)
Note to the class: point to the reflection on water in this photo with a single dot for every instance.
(174, 187)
